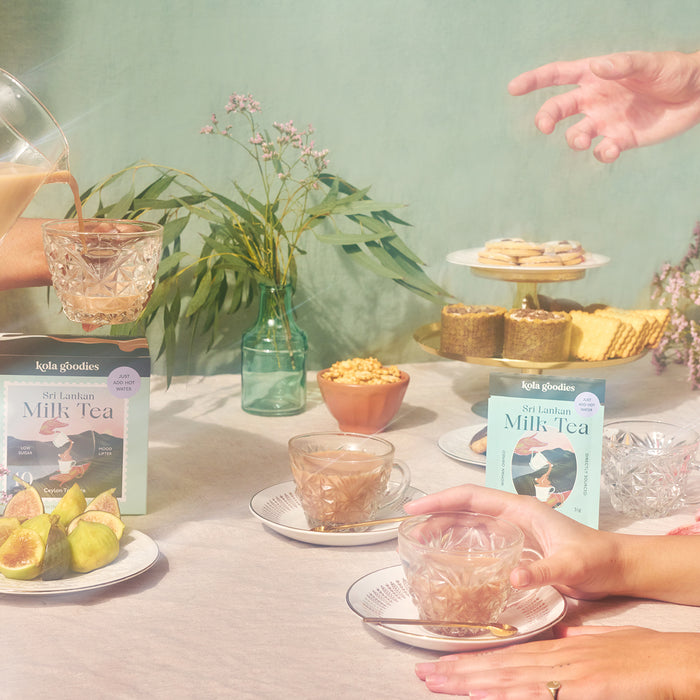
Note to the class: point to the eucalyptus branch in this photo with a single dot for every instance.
(246, 240)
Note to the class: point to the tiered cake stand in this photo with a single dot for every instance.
(526, 280)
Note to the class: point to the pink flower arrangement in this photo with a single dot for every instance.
(677, 287)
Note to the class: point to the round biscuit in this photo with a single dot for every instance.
(563, 247)
(515, 247)
(490, 257)
(540, 261)
(499, 242)
(576, 260)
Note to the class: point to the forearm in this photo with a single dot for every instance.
(663, 568)
(22, 259)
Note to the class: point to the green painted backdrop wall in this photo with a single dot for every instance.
(409, 96)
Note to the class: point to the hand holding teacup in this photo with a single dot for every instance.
(458, 566)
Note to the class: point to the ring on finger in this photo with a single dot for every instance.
(553, 688)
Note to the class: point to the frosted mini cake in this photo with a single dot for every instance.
(473, 331)
(536, 335)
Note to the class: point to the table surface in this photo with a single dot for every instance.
(234, 610)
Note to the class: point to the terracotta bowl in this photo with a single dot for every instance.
(363, 408)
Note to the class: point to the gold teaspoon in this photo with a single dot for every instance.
(496, 629)
(367, 523)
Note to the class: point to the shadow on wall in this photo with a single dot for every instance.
(27, 311)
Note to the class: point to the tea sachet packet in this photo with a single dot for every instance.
(545, 440)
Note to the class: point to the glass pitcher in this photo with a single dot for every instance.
(33, 149)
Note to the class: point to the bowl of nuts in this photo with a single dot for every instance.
(362, 394)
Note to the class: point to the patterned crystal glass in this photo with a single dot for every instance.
(103, 272)
(646, 466)
(458, 565)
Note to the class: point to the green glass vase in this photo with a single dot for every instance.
(273, 357)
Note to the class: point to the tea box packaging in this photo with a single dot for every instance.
(545, 437)
(74, 410)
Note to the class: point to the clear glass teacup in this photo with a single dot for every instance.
(458, 565)
(103, 271)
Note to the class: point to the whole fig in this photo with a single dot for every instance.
(92, 546)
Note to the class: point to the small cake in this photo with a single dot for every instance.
(536, 335)
(472, 331)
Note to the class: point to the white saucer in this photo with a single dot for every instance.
(279, 508)
(138, 553)
(384, 593)
(455, 444)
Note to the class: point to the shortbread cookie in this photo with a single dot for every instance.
(540, 261)
(516, 247)
(479, 441)
(571, 258)
(563, 247)
(492, 257)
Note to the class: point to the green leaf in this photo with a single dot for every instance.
(173, 229)
(345, 187)
(397, 245)
(340, 238)
(157, 187)
(201, 294)
(119, 209)
(171, 262)
(172, 203)
(359, 256)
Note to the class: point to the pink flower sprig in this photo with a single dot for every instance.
(677, 288)
(289, 164)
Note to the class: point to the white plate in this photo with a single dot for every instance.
(470, 258)
(138, 553)
(280, 509)
(455, 444)
(384, 593)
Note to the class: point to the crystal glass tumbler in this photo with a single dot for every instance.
(646, 465)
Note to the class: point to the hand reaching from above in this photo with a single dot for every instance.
(629, 99)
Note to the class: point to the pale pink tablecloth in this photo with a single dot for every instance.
(234, 610)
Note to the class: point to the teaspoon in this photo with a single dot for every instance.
(497, 629)
(367, 523)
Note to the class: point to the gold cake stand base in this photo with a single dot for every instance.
(428, 337)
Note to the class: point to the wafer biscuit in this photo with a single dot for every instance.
(637, 331)
(658, 318)
(593, 336)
